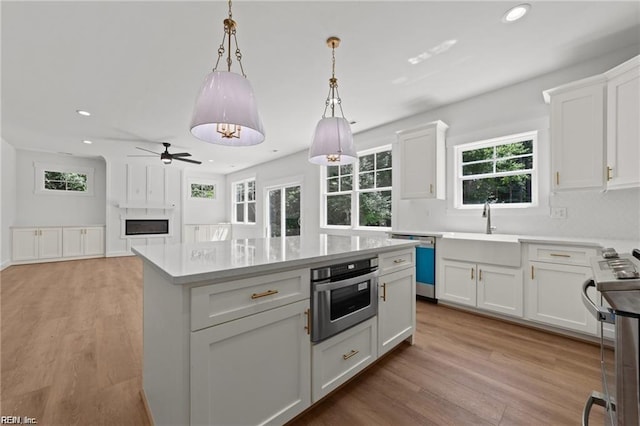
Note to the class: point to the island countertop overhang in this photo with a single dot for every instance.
(218, 261)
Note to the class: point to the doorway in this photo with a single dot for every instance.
(283, 210)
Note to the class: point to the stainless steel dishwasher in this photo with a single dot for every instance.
(425, 264)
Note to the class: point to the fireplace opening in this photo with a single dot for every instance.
(146, 226)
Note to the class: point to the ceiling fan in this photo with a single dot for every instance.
(167, 157)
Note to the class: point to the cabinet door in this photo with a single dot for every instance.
(94, 241)
(554, 296)
(50, 244)
(231, 384)
(72, 239)
(190, 233)
(577, 138)
(25, 244)
(457, 282)
(500, 290)
(396, 308)
(422, 162)
(623, 128)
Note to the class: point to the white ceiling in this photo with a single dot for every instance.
(137, 66)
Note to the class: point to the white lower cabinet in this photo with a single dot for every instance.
(554, 296)
(396, 308)
(490, 287)
(336, 360)
(253, 370)
(78, 241)
(207, 232)
(31, 244)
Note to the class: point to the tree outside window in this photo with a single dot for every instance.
(65, 181)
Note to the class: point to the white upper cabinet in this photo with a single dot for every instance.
(595, 130)
(623, 125)
(577, 134)
(421, 161)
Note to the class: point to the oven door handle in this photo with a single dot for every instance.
(601, 313)
(345, 283)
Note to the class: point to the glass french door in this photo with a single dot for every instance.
(283, 210)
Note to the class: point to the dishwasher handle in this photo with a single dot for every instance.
(595, 398)
(601, 313)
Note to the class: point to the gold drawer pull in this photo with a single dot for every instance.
(431, 188)
(609, 170)
(471, 273)
(480, 275)
(557, 178)
(559, 255)
(266, 293)
(399, 260)
(532, 273)
(350, 354)
(308, 326)
(384, 292)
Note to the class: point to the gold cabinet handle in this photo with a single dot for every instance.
(350, 354)
(609, 173)
(471, 273)
(431, 188)
(559, 255)
(532, 274)
(399, 261)
(308, 327)
(557, 178)
(266, 293)
(480, 275)
(384, 292)
(35, 232)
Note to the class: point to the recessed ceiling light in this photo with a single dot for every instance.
(87, 142)
(516, 13)
(211, 161)
(83, 112)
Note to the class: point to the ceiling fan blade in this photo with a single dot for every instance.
(188, 161)
(148, 150)
(181, 154)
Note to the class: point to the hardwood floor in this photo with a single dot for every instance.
(71, 353)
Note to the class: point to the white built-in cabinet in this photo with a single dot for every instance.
(623, 125)
(489, 287)
(595, 130)
(397, 299)
(554, 287)
(33, 244)
(419, 156)
(82, 241)
(251, 334)
(207, 232)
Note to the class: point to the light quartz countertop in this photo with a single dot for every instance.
(621, 246)
(217, 260)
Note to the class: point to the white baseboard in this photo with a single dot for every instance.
(4, 265)
(119, 254)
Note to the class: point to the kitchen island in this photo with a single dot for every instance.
(226, 326)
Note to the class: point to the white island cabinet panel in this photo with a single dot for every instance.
(396, 308)
(254, 370)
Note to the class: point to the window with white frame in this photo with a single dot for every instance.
(244, 201)
(501, 170)
(359, 194)
(63, 179)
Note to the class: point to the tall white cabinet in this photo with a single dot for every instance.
(420, 158)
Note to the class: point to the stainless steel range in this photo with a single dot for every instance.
(617, 277)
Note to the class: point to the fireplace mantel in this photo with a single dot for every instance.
(148, 206)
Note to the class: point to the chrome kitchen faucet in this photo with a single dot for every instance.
(487, 213)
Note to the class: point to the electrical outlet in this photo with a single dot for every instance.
(559, 212)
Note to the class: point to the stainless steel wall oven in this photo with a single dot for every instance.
(342, 296)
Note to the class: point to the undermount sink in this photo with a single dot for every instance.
(494, 249)
(504, 238)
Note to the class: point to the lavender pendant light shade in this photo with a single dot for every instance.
(226, 101)
(226, 112)
(332, 142)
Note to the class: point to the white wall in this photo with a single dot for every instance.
(514, 109)
(39, 209)
(200, 210)
(7, 200)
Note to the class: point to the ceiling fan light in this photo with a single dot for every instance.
(332, 143)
